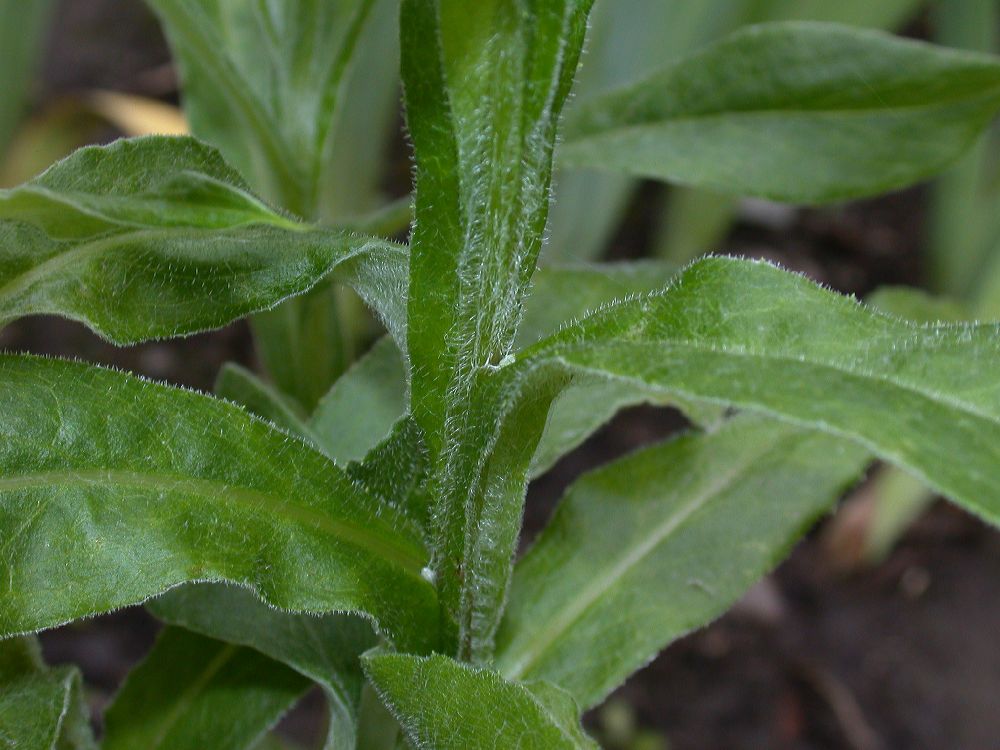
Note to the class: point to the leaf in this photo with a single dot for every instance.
(239, 385)
(370, 398)
(825, 113)
(750, 335)
(99, 512)
(158, 237)
(262, 82)
(561, 294)
(22, 27)
(484, 85)
(300, 96)
(916, 305)
(886, 14)
(628, 41)
(367, 117)
(324, 649)
(445, 705)
(40, 708)
(632, 560)
(363, 405)
(304, 345)
(192, 691)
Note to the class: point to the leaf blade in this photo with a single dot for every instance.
(192, 691)
(239, 502)
(324, 649)
(801, 129)
(631, 560)
(750, 335)
(472, 707)
(128, 238)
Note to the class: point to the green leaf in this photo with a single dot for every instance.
(262, 82)
(885, 14)
(631, 39)
(632, 560)
(40, 708)
(101, 511)
(367, 116)
(628, 39)
(363, 405)
(22, 31)
(445, 705)
(239, 385)
(484, 85)
(300, 96)
(801, 112)
(370, 398)
(193, 691)
(750, 335)
(157, 236)
(559, 296)
(917, 305)
(324, 649)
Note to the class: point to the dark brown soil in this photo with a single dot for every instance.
(903, 656)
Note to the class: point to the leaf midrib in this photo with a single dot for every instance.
(187, 698)
(351, 533)
(573, 139)
(633, 557)
(943, 399)
(83, 249)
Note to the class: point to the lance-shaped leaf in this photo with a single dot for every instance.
(324, 649)
(800, 112)
(262, 81)
(443, 704)
(40, 708)
(239, 385)
(751, 335)
(363, 405)
(158, 237)
(101, 511)
(559, 296)
(632, 560)
(193, 691)
(484, 86)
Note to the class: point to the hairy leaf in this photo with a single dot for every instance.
(40, 708)
(102, 511)
(193, 691)
(801, 112)
(445, 705)
(324, 649)
(262, 81)
(750, 335)
(158, 237)
(484, 86)
(632, 559)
